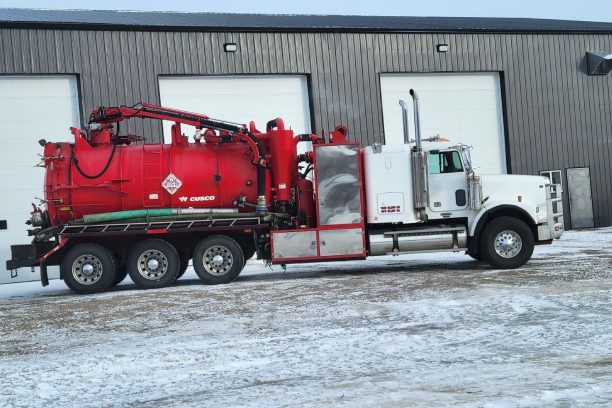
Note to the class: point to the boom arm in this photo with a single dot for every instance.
(107, 115)
(148, 111)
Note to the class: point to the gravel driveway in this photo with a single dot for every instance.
(426, 330)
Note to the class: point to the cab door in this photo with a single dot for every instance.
(447, 180)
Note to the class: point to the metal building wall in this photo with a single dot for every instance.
(556, 116)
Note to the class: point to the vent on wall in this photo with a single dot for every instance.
(599, 62)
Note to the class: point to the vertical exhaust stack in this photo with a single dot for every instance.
(419, 164)
(417, 118)
(405, 121)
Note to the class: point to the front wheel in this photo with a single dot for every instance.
(506, 243)
(88, 268)
(477, 257)
(218, 259)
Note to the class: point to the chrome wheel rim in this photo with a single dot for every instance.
(217, 260)
(508, 244)
(152, 264)
(87, 269)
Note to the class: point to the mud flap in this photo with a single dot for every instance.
(44, 277)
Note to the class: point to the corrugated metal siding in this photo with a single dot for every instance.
(557, 116)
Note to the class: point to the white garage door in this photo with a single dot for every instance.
(465, 108)
(240, 99)
(31, 108)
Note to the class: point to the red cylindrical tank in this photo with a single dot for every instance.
(305, 202)
(196, 175)
(283, 157)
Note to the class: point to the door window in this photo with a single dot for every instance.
(442, 162)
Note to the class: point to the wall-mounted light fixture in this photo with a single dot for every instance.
(599, 62)
(230, 47)
(442, 47)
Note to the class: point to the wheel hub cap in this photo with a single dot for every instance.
(152, 264)
(217, 260)
(508, 244)
(87, 269)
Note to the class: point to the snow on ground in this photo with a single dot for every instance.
(426, 330)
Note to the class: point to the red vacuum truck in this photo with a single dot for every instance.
(114, 207)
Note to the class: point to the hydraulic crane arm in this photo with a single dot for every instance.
(105, 115)
(108, 115)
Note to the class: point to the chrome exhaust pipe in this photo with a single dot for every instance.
(417, 120)
(405, 121)
(420, 184)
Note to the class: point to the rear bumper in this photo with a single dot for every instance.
(22, 256)
(31, 255)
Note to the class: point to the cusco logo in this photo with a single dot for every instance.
(197, 198)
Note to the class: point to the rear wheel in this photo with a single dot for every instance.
(248, 253)
(507, 243)
(218, 259)
(183, 267)
(88, 268)
(120, 275)
(153, 263)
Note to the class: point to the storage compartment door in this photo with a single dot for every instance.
(341, 242)
(294, 245)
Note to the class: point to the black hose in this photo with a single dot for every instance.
(108, 163)
(308, 170)
(88, 176)
(261, 181)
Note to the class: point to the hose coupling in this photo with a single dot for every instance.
(262, 206)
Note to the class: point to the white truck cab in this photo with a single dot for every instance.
(421, 199)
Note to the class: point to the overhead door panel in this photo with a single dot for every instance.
(31, 108)
(240, 99)
(465, 108)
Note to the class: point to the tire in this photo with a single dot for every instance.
(183, 267)
(89, 268)
(248, 254)
(120, 275)
(506, 243)
(477, 257)
(218, 259)
(153, 263)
